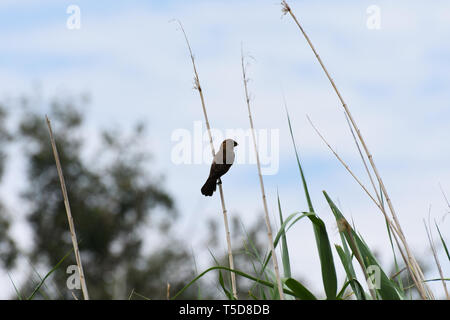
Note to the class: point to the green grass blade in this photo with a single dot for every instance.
(326, 257)
(139, 295)
(323, 245)
(284, 229)
(388, 289)
(253, 296)
(348, 254)
(199, 292)
(254, 255)
(443, 242)
(346, 260)
(221, 281)
(19, 296)
(237, 272)
(437, 279)
(40, 279)
(353, 283)
(48, 274)
(305, 186)
(225, 290)
(299, 290)
(42, 291)
(284, 246)
(397, 268)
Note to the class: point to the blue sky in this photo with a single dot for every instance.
(135, 65)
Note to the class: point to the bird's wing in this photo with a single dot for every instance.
(224, 156)
(218, 170)
(221, 163)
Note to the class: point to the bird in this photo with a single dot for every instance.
(222, 162)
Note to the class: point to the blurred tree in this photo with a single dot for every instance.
(124, 219)
(115, 202)
(8, 248)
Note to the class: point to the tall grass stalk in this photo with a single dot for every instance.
(390, 225)
(436, 259)
(343, 162)
(69, 213)
(411, 262)
(445, 196)
(366, 167)
(168, 291)
(261, 182)
(224, 210)
(379, 203)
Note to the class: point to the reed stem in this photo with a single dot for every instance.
(69, 213)
(410, 262)
(261, 182)
(213, 152)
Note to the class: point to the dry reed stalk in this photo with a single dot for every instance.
(390, 224)
(395, 275)
(261, 182)
(168, 291)
(378, 204)
(411, 262)
(343, 163)
(436, 259)
(213, 152)
(69, 213)
(445, 196)
(364, 161)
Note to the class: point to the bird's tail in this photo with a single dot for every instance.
(209, 187)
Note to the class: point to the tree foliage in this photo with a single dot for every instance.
(117, 204)
(125, 219)
(8, 248)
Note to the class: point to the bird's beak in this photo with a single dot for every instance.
(235, 144)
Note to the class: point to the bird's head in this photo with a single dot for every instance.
(229, 143)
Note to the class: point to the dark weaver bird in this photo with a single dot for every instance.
(222, 162)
